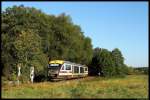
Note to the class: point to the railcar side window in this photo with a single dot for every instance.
(76, 69)
(68, 67)
(81, 70)
(85, 69)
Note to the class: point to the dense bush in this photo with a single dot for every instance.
(108, 63)
(31, 37)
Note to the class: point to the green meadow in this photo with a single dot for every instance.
(132, 86)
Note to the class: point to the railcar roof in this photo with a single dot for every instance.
(56, 61)
(63, 61)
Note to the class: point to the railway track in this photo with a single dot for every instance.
(68, 79)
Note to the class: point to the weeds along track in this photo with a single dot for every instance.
(132, 86)
(69, 79)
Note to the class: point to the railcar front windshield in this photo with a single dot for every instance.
(54, 66)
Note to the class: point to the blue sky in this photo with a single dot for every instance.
(110, 25)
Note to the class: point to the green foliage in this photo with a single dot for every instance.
(29, 53)
(31, 37)
(141, 70)
(130, 70)
(144, 70)
(137, 70)
(119, 62)
(108, 63)
(7, 57)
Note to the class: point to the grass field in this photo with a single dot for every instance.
(133, 86)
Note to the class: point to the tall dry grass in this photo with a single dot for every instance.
(91, 87)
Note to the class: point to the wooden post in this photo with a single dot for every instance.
(19, 73)
(99, 73)
(32, 74)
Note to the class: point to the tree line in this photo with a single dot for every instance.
(32, 38)
(108, 63)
